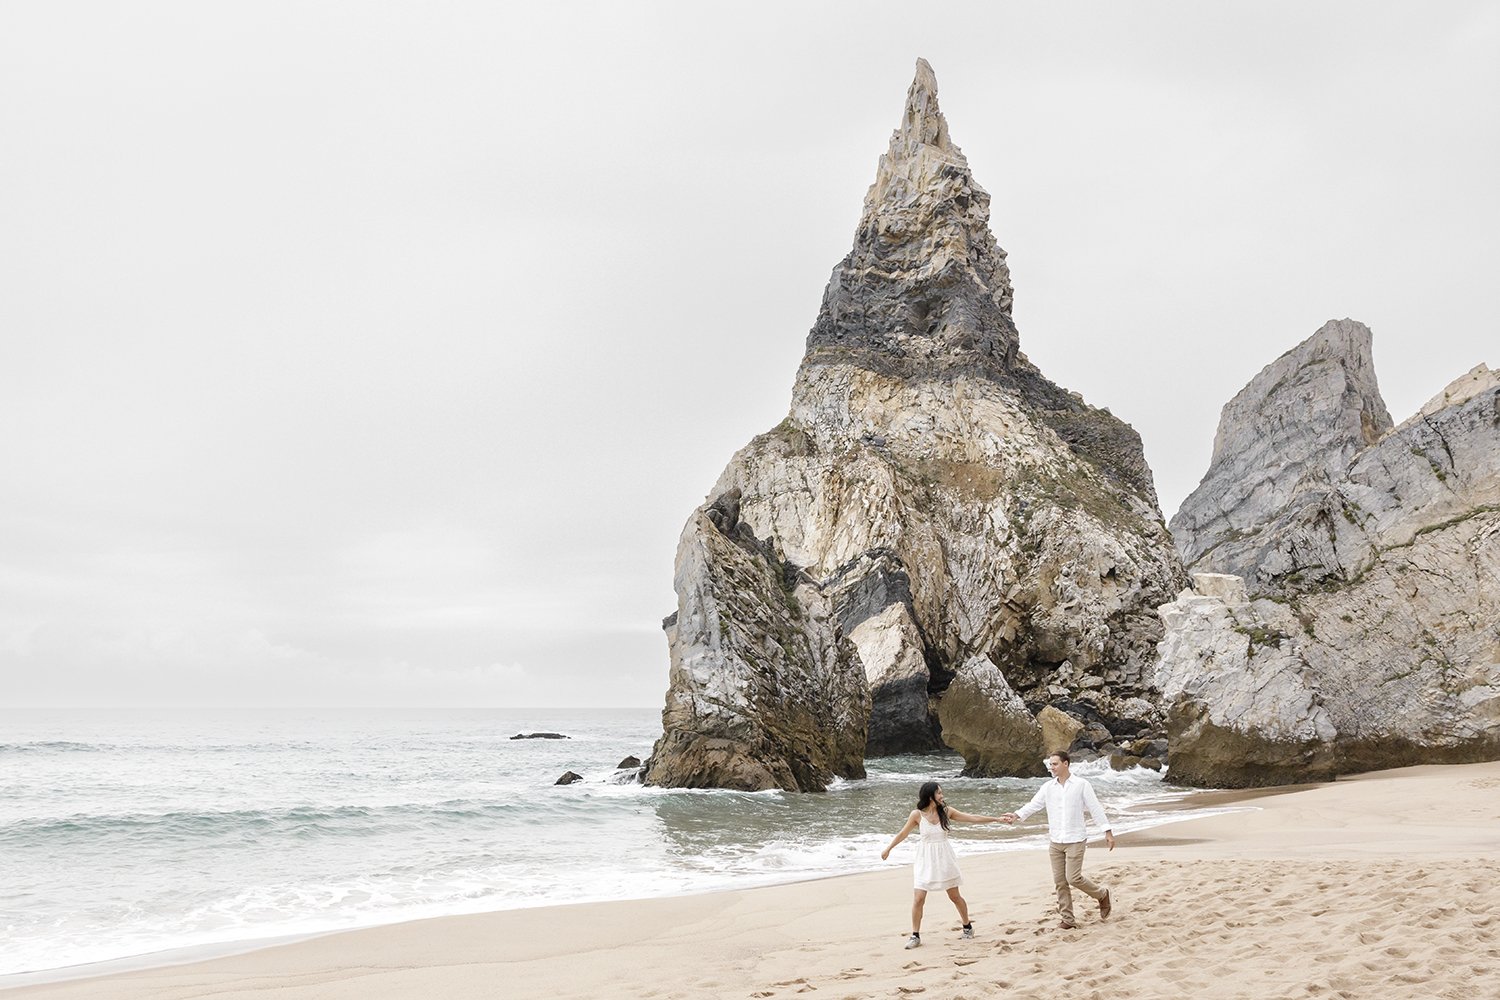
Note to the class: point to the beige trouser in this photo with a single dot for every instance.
(1067, 875)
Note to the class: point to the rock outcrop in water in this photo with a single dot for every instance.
(934, 544)
(1360, 627)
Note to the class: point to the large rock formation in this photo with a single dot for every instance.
(1369, 633)
(1242, 708)
(932, 512)
(766, 692)
(1281, 442)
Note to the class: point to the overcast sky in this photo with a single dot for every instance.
(375, 353)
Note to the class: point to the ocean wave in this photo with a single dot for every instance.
(71, 746)
(186, 824)
(52, 746)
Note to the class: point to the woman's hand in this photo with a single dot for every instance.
(885, 854)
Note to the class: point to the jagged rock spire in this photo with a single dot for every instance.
(925, 288)
(923, 123)
(923, 135)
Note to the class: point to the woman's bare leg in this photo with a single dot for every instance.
(918, 897)
(958, 901)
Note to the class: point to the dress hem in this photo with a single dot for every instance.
(949, 883)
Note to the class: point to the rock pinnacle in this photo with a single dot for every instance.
(925, 287)
(923, 123)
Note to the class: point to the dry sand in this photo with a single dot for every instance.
(1382, 885)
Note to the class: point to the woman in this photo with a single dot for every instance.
(936, 865)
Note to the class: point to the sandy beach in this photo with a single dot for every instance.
(1384, 884)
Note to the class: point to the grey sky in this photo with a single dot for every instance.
(375, 353)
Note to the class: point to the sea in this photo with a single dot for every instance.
(153, 835)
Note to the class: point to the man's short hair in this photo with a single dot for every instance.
(1063, 756)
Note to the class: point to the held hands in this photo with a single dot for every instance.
(1009, 818)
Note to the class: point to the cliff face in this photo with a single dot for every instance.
(1281, 443)
(1368, 632)
(977, 538)
(765, 690)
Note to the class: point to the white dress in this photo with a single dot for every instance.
(936, 866)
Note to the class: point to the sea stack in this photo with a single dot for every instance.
(1345, 613)
(934, 545)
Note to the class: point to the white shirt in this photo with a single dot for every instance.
(1064, 804)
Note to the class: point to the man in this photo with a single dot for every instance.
(1064, 799)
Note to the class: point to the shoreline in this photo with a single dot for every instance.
(1182, 800)
(1440, 822)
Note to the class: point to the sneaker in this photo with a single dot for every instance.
(1104, 905)
(915, 941)
(968, 933)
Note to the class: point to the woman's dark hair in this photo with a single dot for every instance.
(926, 796)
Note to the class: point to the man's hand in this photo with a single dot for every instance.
(1009, 818)
(1109, 838)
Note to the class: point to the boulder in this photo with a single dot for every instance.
(1134, 715)
(540, 736)
(568, 777)
(1093, 734)
(1059, 729)
(1148, 747)
(988, 723)
(631, 761)
(1225, 586)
